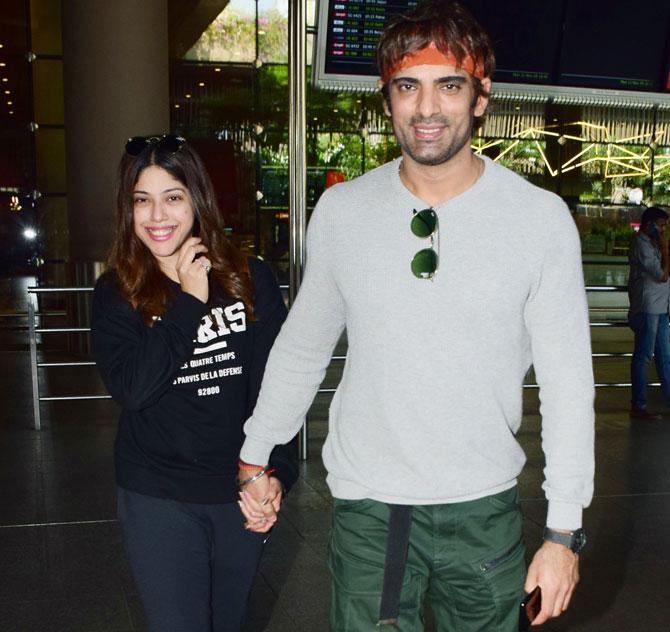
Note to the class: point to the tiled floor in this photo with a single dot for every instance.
(61, 561)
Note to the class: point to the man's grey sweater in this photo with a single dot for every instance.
(431, 396)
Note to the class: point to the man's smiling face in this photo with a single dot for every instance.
(432, 109)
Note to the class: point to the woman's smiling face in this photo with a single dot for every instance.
(163, 214)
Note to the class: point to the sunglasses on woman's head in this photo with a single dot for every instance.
(166, 142)
(425, 224)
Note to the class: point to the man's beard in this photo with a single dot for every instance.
(446, 154)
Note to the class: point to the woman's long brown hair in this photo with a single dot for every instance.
(140, 278)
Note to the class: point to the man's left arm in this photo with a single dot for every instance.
(557, 320)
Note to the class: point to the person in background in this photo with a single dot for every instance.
(649, 297)
(452, 275)
(182, 325)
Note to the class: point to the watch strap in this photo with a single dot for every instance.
(574, 540)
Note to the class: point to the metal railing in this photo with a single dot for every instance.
(20, 315)
(608, 323)
(35, 365)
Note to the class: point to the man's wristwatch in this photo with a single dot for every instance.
(574, 540)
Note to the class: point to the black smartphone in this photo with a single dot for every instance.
(529, 608)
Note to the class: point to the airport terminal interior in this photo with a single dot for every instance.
(77, 79)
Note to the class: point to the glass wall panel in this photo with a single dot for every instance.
(231, 37)
(662, 159)
(18, 236)
(48, 91)
(52, 227)
(662, 176)
(206, 98)
(16, 159)
(49, 153)
(45, 21)
(18, 232)
(273, 32)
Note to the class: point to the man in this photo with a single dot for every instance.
(452, 276)
(649, 294)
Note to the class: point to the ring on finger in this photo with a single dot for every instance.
(207, 268)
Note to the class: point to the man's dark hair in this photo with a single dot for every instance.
(453, 29)
(651, 214)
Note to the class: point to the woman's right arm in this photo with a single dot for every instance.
(138, 362)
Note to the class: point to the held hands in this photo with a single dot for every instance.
(555, 568)
(193, 272)
(260, 501)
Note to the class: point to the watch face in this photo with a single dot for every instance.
(575, 541)
(579, 540)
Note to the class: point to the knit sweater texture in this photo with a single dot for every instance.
(430, 399)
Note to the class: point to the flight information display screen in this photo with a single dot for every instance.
(526, 36)
(349, 31)
(619, 45)
(352, 30)
(622, 44)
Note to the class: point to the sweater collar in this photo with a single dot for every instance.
(401, 190)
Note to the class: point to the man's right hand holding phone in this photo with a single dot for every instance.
(555, 568)
(529, 609)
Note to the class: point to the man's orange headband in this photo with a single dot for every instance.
(431, 55)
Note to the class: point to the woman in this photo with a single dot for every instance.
(182, 326)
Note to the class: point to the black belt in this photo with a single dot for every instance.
(396, 560)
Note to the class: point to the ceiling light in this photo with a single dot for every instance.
(201, 84)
